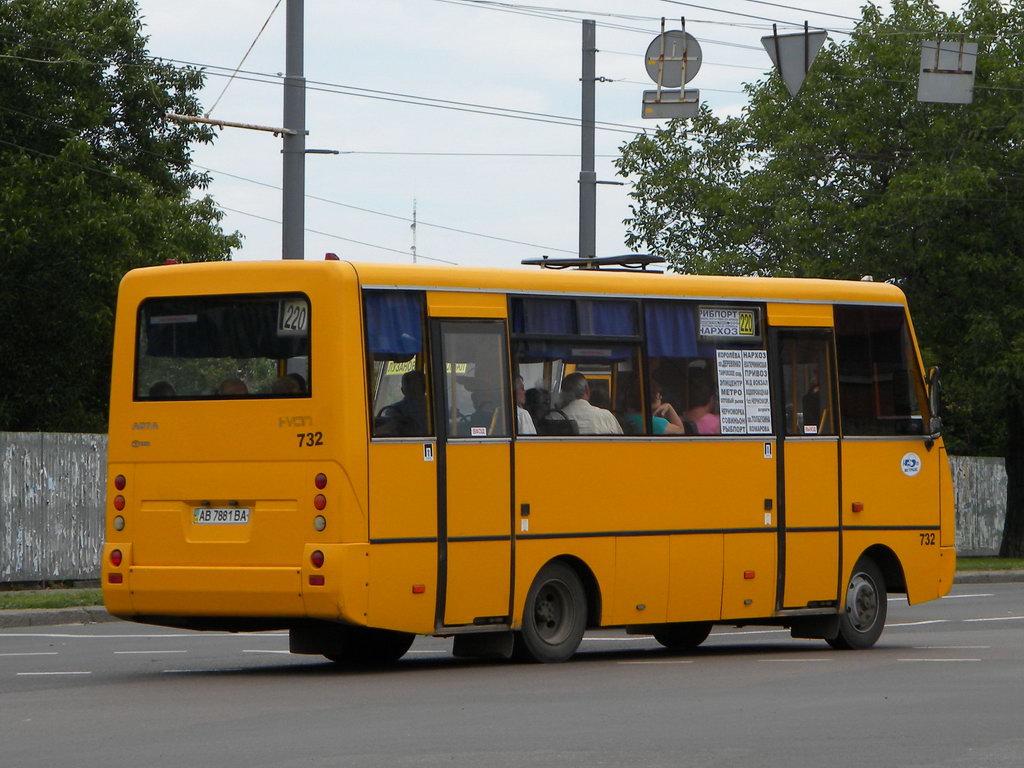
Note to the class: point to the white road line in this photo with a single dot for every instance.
(951, 660)
(50, 674)
(221, 670)
(791, 661)
(32, 653)
(251, 650)
(920, 623)
(952, 647)
(124, 653)
(674, 661)
(955, 597)
(999, 618)
(433, 653)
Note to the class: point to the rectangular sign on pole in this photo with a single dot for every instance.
(670, 104)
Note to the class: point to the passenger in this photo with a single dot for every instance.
(408, 416)
(701, 398)
(162, 389)
(232, 387)
(291, 384)
(576, 406)
(524, 421)
(538, 403)
(664, 419)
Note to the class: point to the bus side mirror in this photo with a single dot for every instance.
(934, 401)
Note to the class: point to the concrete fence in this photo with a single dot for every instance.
(52, 494)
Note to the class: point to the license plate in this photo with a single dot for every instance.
(220, 515)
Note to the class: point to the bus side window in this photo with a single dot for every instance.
(399, 384)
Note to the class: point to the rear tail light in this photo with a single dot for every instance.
(317, 559)
(320, 501)
(119, 503)
(115, 557)
(120, 482)
(320, 481)
(115, 578)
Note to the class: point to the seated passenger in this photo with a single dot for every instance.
(701, 397)
(407, 417)
(538, 403)
(664, 419)
(524, 421)
(232, 387)
(162, 389)
(576, 406)
(291, 384)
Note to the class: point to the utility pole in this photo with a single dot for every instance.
(588, 177)
(293, 213)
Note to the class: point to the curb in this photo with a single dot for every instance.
(96, 614)
(989, 577)
(87, 614)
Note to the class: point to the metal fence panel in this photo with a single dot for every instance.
(52, 493)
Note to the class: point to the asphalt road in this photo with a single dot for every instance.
(944, 687)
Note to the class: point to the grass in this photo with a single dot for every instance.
(70, 598)
(45, 598)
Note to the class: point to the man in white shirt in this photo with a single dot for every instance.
(524, 421)
(590, 420)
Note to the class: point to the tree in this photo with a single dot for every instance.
(94, 181)
(854, 177)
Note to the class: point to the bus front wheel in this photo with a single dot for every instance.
(862, 621)
(554, 617)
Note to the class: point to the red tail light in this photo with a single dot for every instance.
(320, 481)
(115, 557)
(317, 559)
(320, 501)
(119, 503)
(120, 482)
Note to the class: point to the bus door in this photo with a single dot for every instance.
(809, 537)
(474, 480)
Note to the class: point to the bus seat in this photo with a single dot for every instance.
(559, 424)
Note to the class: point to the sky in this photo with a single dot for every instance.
(510, 185)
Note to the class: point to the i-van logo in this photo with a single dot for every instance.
(910, 464)
(295, 421)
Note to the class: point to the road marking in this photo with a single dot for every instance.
(999, 618)
(673, 661)
(222, 670)
(791, 661)
(251, 650)
(920, 623)
(50, 674)
(435, 653)
(938, 659)
(955, 597)
(121, 653)
(952, 647)
(31, 653)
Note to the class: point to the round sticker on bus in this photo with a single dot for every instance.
(910, 464)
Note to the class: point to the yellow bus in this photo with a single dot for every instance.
(363, 453)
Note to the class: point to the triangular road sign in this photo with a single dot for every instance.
(793, 55)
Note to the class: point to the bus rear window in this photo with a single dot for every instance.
(206, 347)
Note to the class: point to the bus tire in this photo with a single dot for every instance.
(863, 619)
(554, 616)
(368, 647)
(684, 636)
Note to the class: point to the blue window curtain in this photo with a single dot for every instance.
(394, 324)
(549, 316)
(671, 329)
(607, 318)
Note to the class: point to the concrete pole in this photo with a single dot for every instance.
(293, 198)
(588, 178)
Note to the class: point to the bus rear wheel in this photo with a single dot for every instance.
(684, 636)
(862, 621)
(554, 617)
(367, 647)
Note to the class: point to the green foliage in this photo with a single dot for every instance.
(855, 177)
(94, 181)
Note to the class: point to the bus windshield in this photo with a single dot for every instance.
(201, 347)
